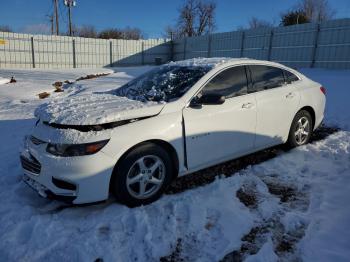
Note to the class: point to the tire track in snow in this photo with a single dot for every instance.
(289, 196)
(284, 241)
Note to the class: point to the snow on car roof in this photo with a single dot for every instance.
(210, 62)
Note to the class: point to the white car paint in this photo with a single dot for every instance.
(211, 133)
(275, 107)
(199, 137)
(95, 109)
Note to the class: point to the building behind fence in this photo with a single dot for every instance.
(306, 45)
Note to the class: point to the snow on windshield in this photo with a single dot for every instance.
(165, 83)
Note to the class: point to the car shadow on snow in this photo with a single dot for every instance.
(229, 168)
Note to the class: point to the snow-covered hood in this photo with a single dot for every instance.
(95, 109)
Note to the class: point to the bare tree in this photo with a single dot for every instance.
(5, 28)
(111, 33)
(187, 18)
(206, 23)
(88, 31)
(196, 17)
(294, 17)
(258, 23)
(132, 33)
(316, 10)
(126, 33)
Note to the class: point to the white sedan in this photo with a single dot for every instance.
(175, 119)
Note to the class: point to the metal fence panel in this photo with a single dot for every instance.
(43, 51)
(333, 47)
(226, 44)
(179, 47)
(156, 49)
(256, 43)
(197, 47)
(293, 45)
(307, 45)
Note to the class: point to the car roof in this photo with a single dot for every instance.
(211, 62)
(214, 62)
(219, 63)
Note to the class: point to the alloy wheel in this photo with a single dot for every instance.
(145, 177)
(302, 130)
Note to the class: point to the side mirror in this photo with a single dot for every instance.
(207, 99)
(212, 99)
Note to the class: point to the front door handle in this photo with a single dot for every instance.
(247, 105)
(290, 95)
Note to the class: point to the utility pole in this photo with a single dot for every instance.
(51, 23)
(70, 4)
(56, 16)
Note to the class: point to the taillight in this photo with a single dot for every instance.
(323, 90)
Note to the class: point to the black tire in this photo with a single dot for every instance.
(128, 165)
(293, 139)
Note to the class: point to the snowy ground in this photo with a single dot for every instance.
(292, 207)
(4, 81)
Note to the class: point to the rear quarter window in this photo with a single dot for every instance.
(290, 77)
(266, 77)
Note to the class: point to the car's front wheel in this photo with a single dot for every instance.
(301, 129)
(142, 175)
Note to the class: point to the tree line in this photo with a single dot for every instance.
(90, 31)
(305, 11)
(197, 17)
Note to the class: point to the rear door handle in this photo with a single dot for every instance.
(247, 105)
(290, 95)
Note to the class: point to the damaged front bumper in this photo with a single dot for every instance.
(47, 193)
(77, 180)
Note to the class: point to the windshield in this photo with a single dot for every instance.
(163, 84)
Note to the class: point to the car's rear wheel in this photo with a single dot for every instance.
(142, 175)
(301, 129)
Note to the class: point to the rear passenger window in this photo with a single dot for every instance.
(290, 77)
(266, 77)
(229, 83)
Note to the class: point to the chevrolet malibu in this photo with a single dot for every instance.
(173, 120)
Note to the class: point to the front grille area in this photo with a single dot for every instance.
(36, 141)
(32, 165)
(63, 184)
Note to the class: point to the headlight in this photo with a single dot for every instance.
(75, 150)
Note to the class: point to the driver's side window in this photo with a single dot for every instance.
(229, 83)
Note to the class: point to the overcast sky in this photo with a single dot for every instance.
(151, 16)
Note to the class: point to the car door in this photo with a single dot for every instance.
(277, 101)
(215, 133)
